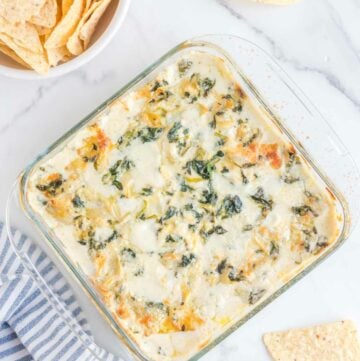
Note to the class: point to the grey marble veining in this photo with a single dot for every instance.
(327, 72)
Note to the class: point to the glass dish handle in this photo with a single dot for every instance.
(96, 352)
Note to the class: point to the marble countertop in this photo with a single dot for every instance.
(318, 44)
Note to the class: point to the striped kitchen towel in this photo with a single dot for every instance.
(30, 328)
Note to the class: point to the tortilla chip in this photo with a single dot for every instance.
(23, 34)
(65, 6)
(330, 342)
(57, 55)
(75, 44)
(20, 10)
(11, 54)
(38, 62)
(88, 28)
(66, 26)
(42, 30)
(89, 3)
(47, 15)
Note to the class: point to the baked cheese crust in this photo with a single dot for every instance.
(184, 205)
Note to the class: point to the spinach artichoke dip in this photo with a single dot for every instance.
(184, 205)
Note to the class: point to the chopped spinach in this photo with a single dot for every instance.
(128, 253)
(218, 230)
(52, 187)
(117, 184)
(186, 260)
(190, 208)
(173, 132)
(184, 65)
(311, 196)
(289, 179)
(245, 180)
(192, 227)
(247, 228)
(156, 86)
(265, 204)
(184, 187)
(310, 232)
(274, 249)
(208, 197)
(127, 164)
(173, 238)
(248, 165)
(230, 206)
(158, 305)
(232, 275)
(96, 245)
(162, 95)
(179, 135)
(321, 244)
(201, 167)
(139, 272)
(237, 108)
(120, 166)
(236, 277)
(149, 134)
(302, 210)
(147, 191)
(221, 266)
(170, 212)
(204, 168)
(256, 295)
(126, 139)
(113, 236)
(250, 139)
(206, 85)
(293, 159)
(215, 230)
(77, 202)
(212, 124)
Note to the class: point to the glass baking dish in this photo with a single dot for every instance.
(288, 108)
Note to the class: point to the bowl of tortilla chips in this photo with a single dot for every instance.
(47, 38)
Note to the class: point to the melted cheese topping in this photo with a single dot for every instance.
(185, 206)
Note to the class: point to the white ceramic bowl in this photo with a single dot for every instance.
(107, 27)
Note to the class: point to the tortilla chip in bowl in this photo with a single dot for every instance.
(48, 38)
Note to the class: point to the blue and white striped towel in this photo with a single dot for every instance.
(30, 328)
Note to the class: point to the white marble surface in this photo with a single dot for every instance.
(316, 41)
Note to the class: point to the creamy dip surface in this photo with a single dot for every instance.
(184, 205)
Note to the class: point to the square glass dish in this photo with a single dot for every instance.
(296, 121)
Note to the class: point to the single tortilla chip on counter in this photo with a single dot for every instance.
(66, 26)
(337, 341)
(47, 15)
(38, 62)
(20, 10)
